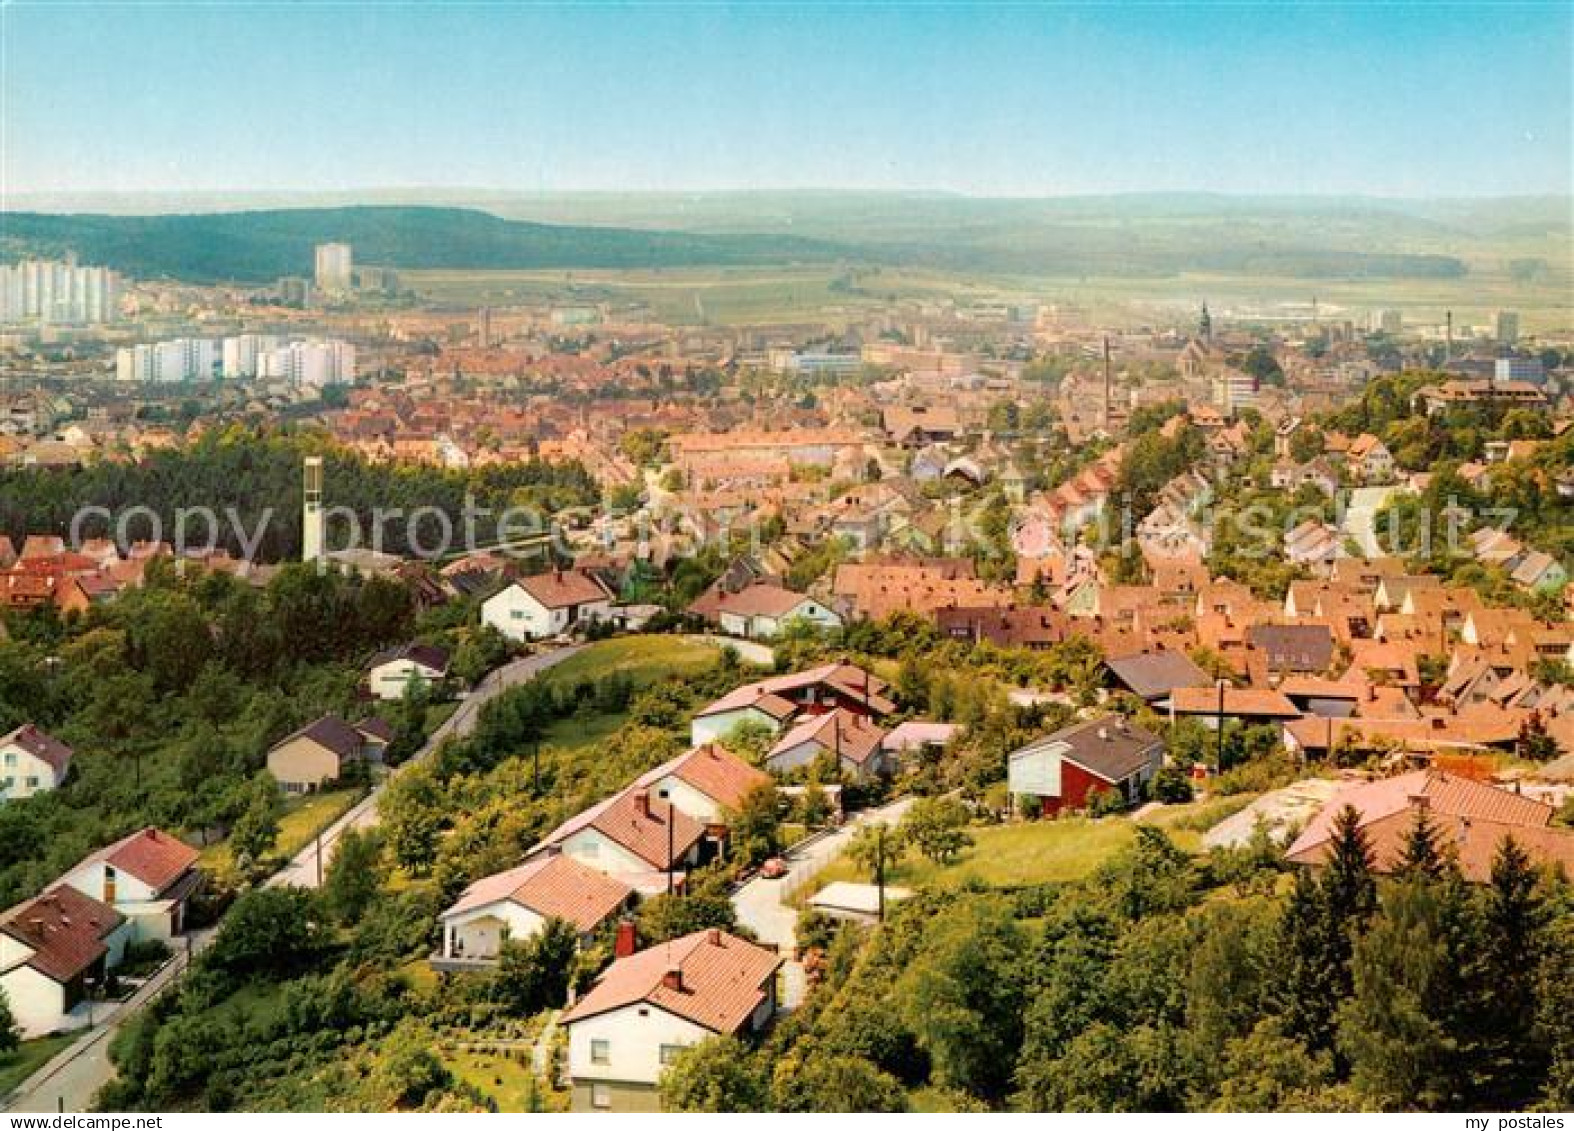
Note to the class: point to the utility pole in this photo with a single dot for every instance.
(879, 867)
(1219, 720)
(661, 793)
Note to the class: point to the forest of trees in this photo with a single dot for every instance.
(170, 696)
(1171, 983)
(259, 479)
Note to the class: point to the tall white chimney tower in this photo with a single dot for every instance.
(311, 513)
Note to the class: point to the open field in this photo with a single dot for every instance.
(1035, 852)
(644, 659)
(835, 294)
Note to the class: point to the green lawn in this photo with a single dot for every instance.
(1032, 852)
(28, 1058)
(506, 1077)
(303, 818)
(646, 659)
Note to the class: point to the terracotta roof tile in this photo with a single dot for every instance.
(711, 978)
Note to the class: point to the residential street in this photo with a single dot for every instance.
(302, 871)
(763, 905)
(72, 1078)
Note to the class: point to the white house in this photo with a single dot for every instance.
(646, 1009)
(390, 673)
(778, 700)
(517, 903)
(636, 837)
(762, 611)
(31, 762)
(703, 783)
(146, 877)
(51, 949)
(547, 604)
(857, 744)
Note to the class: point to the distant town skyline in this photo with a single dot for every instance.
(1010, 100)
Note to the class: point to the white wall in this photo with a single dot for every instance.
(18, 769)
(634, 1036)
(391, 680)
(713, 728)
(594, 850)
(482, 929)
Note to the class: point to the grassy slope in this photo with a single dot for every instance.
(29, 1057)
(1032, 852)
(645, 659)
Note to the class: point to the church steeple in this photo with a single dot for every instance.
(1205, 324)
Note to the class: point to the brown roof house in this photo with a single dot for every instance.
(1472, 820)
(320, 753)
(31, 762)
(856, 742)
(547, 604)
(51, 949)
(646, 1009)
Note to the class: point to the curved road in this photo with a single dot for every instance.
(71, 1080)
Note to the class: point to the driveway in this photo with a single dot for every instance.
(302, 871)
(764, 905)
(71, 1080)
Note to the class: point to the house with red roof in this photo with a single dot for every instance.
(636, 836)
(854, 741)
(516, 904)
(546, 604)
(147, 877)
(647, 1008)
(779, 700)
(52, 949)
(704, 783)
(1472, 820)
(31, 762)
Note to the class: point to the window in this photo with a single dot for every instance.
(600, 1096)
(32, 783)
(600, 1052)
(669, 1053)
(10, 760)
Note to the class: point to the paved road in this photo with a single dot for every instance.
(302, 871)
(74, 1076)
(762, 905)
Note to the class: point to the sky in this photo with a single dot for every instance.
(1026, 99)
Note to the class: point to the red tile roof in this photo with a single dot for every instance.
(711, 978)
(150, 855)
(40, 745)
(717, 773)
(562, 588)
(552, 886)
(638, 822)
(1445, 794)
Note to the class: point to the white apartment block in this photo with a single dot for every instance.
(59, 292)
(335, 267)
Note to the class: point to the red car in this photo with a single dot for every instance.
(774, 868)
